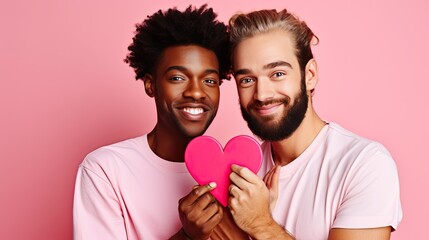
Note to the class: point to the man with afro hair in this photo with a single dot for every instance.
(140, 188)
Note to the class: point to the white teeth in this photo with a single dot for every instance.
(193, 111)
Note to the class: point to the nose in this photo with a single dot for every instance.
(264, 89)
(194, 89)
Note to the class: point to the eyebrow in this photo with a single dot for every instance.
(266, 66)
(276, 64)
(183, 69)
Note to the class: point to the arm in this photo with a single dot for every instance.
(382, 233)
(371, 207)
(257, 221)
(271, 180)
(96, 210)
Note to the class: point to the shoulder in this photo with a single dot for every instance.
(350, 153)
(369, 181)
(348, 141)
(360, 154)
(110, 155)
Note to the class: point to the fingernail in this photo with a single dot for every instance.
(212, 185)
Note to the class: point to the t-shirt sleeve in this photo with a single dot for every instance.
(96, 210)
(371, 196)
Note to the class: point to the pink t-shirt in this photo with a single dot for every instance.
(340, 181)
(125, 191)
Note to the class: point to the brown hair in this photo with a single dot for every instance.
(243, 26)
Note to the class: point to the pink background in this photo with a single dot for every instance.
(65, 91)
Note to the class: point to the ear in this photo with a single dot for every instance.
(149, 85)
(311, 75)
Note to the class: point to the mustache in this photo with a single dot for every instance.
(204, 103)
(258, 104)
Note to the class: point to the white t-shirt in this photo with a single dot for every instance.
(340, 181)
(125, 191)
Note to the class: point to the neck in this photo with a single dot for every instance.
(288, 149)
(168, 145)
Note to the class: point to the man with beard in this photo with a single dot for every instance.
(320, 180)
(133, 189)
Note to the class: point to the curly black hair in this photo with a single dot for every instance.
(175, 28)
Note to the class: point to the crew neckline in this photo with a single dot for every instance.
(302, 159)
(158, 161)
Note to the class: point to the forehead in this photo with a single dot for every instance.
(257, 51)
(192, 57)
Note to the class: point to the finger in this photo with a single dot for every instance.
(243, 183)
(237, 181)
(207, 227)
(268, 179)
(183, 198)
(245, 173)
(216, 217)
(232, 202)
(198, 210)
(275, 179)
(196, 193)
(233, 190)
(204, 201)
(207, 219)
(274, 188)
(209, 212)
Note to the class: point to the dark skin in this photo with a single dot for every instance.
(200, 213)
(185, 85)
(195, 211)
(179, 87)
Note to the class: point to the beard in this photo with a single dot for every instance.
(291, 119)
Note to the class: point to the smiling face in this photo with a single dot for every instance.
(185, 85)
(273, 95)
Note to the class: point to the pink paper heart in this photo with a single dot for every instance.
(208, 162)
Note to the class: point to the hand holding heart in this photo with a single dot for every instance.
(207, 162)
(199, 213)
(249, 202)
